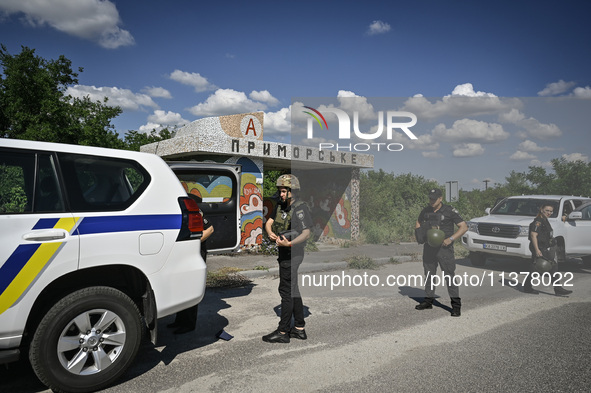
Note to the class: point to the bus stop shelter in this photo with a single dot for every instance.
(329, 178)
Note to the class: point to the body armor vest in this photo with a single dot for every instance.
(282, 220)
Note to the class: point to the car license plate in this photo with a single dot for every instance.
(497, 247)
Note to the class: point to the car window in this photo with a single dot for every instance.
(17, 172)
(522, 207)
(100, 183)
(586, 211)
(568, 207)
(24, 175)
(578, 202)
(48, 195)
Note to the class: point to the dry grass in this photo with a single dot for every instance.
(227, 277)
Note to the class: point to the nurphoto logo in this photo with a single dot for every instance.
(393, 124)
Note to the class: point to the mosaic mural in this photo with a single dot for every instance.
(251, 201)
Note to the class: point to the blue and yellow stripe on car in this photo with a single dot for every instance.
(28, 261)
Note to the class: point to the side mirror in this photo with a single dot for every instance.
(575, 216)
(487, 210)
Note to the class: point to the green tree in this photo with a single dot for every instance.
(390, 205)
(542, 181)
(135, 139)
(517, 184)
(34, 106)
(474, 203)
(572, 177)
(270, 183)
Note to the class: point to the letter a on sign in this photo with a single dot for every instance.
(250, 127)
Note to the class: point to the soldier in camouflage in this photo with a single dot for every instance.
(289, 226)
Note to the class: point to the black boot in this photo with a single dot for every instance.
(426, 304)
(456, 305)
(528, 288)
(560, 291)
(276, 337)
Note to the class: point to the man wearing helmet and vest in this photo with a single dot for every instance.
(543, 245)
(289, 227)
(439, 220)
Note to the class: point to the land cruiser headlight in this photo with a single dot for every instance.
(472, 226)
(523, 231)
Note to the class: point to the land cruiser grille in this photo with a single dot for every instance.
(498, 230)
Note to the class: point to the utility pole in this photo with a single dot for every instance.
(486, 184)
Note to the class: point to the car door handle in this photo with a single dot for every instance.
(40, 236)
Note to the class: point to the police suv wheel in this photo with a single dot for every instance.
(87, 340)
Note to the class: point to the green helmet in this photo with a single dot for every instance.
(543, 265)
(435, 237)
(288, 181)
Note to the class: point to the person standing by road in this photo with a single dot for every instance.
(289, 227)
(438, 215)
(542, 244)
(186, 320)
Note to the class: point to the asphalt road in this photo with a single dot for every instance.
(369, 338)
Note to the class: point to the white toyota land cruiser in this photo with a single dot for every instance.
(96, 245)
(504, 230)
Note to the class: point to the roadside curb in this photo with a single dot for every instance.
(320, 267)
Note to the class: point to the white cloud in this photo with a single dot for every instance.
(378, 27)
(351, 102)
(158, 92)
(536, 162)
(462, 102)
(225, 102)
(93, 20)
(540, 130)
(532, 126)
(556, 88)
(468, 150)
(582, 92)
(468, 130)
(161, 119)
(521, 156)
(423, 142)
(467, 90)
(167, 118)
(531, 146)
(513, 116)
(264, 96)
(194, 79)
(124, 98)
(575, 157)
(279, 121)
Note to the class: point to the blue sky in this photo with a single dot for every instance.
(169, 63)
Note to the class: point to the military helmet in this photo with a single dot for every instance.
(542, 265)
(288, 181)
(435, 237)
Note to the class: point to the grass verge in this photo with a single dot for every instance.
(226, 277)
(361, 262)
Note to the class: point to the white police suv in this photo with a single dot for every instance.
(95, 245)
(504, 231)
